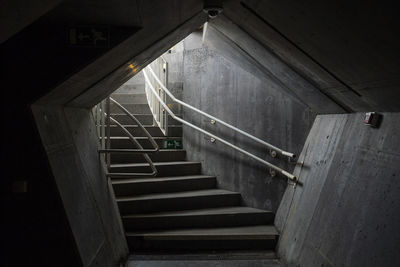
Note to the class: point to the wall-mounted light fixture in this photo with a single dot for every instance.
(373, 119)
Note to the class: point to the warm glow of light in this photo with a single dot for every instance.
(132, 67)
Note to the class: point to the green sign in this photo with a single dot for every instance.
(173, 144)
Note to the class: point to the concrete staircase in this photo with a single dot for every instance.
(181, 209)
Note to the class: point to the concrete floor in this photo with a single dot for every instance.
(210, 263)
(227, 258)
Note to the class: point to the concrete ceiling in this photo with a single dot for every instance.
(67, 71)
(349, 49)
(18, 14)
(118, 13)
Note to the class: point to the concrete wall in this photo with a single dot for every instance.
(134, 85)
(67, 217)
(346, 212)
(70, 140)
(174, 57)
(347, 49)
(223, 80)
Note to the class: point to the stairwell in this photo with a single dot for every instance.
(181, 209)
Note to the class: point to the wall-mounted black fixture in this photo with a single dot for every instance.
(213, 8)
(373, 119)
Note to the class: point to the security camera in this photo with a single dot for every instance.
(212, 8)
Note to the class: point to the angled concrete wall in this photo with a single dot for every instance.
(64, 84)
(70, 140)
(263, 97)
(347, 49)
(346, 211)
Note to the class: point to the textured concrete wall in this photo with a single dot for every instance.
(69, 138)
(174, 57)
(134, 85)
(347, 210)
(221, 79)
(348, 49)
(68, 209)
(267, 63)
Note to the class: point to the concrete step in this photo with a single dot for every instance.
(124, 142)
(136, 88)
(202, 218)
(132, 108)
(138, 98)
(163, 155)
(236, 257)
(142, 108)
(178, 201)
(153, 130)
(223, 238)
(173, 168)
(140, 186)
(145, 119)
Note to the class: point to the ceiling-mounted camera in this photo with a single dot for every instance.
(212, 8)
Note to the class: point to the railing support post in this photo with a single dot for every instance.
(108, 140)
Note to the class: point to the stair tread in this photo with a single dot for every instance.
(196, 193)
(209, 211)
(136, 114)
(145, 137)
(159, 179)
(242, 232)
(161, 150)
(145, 126)
(123, 165)
(205, 255)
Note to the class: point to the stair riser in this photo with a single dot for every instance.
(153, 131)
(198, 221)
(181, 203)
(132, 108)
(142, 108)
(126, 120)
(138, 244)
(163, 170)
(126, 143)
(143, 118)
(136, 88)
(124, 99)
(163, 186)
(160, 156)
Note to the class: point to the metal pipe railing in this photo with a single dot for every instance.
(160, 117)
(276, 168)
(108, 132)
(272, 147)
(151, 139)
(147, 158)
(103, 120)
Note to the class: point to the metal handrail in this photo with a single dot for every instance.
(276, 168)
(151, 139)
(160, 117)
(272, 147)
(147, 158)
(100, 112)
